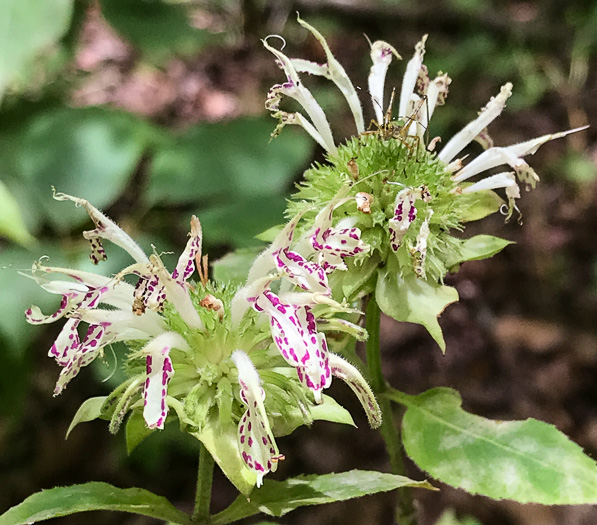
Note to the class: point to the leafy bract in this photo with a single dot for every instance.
(278, 498)
(478, 205)
(89, 410)
(408, 298)
(478, 247)
(526, 461)
(220, 440)
(62, 501)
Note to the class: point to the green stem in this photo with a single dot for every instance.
(204, 481)
(405, 513)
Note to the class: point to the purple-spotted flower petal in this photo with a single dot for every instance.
(294, 332)
(186, 262)
(333, 244)
(404, 214)
(159, 371)
(255, 438)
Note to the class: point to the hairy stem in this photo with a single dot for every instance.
(405, 513)
(204, 481)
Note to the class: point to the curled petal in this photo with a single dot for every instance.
(186, 262)
(255, 438)
(294, 88)
(158, 373)
(104, 229)
(410, 77)
(353, 378)
(308, 275)
(437, 93)
(78, 354)
(467, 134)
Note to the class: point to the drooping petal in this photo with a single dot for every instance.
(186, 262)
(295, 334)
(295, 89)
(308, 275)
(467, 134)
(505, 180)
(510, 155)
(158, 372)
(353, 378)
(410, 77)
(104, 229)
(337, 74)
(255, 438)
(405, 213)
(76, 356)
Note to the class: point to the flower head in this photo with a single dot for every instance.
(402, 199)
(228, 375)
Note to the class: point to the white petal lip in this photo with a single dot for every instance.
(337, 74)
(381, 56)
(497, 156)
(410, 77)
(466, 135)
(186, 262)
(255, 438)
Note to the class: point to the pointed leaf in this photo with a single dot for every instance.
(479, 247)
(526, 461)
(62, 501)
(478, 205)
(89, 410)
(414, 300)
(278, 498)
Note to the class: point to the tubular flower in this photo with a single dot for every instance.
(201, 348)
(408, 198)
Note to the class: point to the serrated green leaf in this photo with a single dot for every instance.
(278, 498)
(414, 300)
(62, 501)
(136, 430)
(526, 461)
(477, 248)
(11, 218)
(28, 28)
(478, 205)
(89, 410)
(159, 29)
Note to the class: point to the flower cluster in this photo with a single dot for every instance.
(409, 198)
(250, 362)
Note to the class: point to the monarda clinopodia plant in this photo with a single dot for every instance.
(239, 365)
